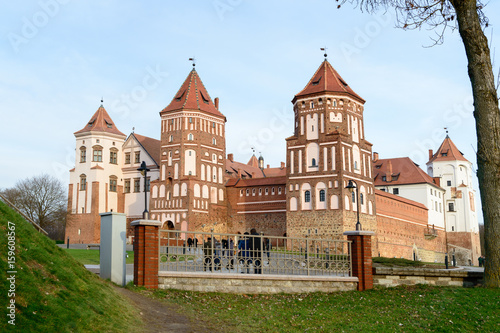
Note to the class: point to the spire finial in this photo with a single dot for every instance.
(133, 129)
(446, 129)
(102, 100)
(325, 55)
(253, 150)
(193, 60)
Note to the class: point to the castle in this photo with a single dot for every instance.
(330, 173)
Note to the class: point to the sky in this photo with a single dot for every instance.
(60, 57)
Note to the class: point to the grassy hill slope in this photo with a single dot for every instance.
(53, 292)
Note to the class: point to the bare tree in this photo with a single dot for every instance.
(466, 16)
(43, 199)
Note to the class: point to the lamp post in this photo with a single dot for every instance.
(144, 171)
(351, 186)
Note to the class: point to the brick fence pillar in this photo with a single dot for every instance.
(361, 256)
(146, 253)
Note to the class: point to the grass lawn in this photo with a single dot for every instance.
(91, 257)
(54, 292)
(402, 309)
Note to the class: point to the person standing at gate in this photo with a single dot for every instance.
(207, 252)
(256, 251)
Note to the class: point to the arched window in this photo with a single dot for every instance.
(353, 197)
(83, 154)
(313, 162)
(83, 182)
(171, 137)
(307, 196)
(361, 199)
(214, 142)
(190, 137)
(322, 196)
(112, 183)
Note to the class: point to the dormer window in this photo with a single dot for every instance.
(91, 122)
(384, 178)
(108, 124)
(315, 83)
(205, 100)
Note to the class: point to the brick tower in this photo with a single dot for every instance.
(327, 150)
(191, 191)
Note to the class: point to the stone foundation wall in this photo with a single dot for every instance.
(254, 284)
(392, 277)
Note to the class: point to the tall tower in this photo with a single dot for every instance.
(327, 150)
(455, 171)
(95, 183)
(191, 191)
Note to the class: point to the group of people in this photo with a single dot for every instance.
(248, 251)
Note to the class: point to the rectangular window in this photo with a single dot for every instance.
(448, 183)
(395, 190)
(112, 185)
(137, 157)
(83, 155)
(451, 207)
(113, 157)
(97, 155)
(127, 186)
(127, 158)
(137, 185)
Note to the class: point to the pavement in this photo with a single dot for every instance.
(129, 274)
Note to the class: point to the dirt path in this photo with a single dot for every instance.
(161, 317)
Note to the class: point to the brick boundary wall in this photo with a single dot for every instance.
(361, 257)
(397, 276)
(254, 284)
(146, 253)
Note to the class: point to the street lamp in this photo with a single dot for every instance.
(351, 186)
(144, 171)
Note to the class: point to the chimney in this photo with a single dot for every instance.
(388, 175)
(216, 102)
(253, 174)
(230, 157)
(239, 173)
(282, 165)
(268, 166)
(430, 154)
(375, 156)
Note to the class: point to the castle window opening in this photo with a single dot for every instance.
(395, 190)
(448, 183)
(307, 196)
(83, 154)
(322, 198)
(112, 183)
(137, 185)
(253, 192)
(113, 156)
(260, 191)
(248, 192)
(137, 157)
(127, 158)
(272, 191)
(83, 182)
(279, 190)
(267, 191)
(97, 154)
(127, 186)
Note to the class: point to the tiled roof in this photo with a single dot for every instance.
(193, 96)
(447, 152)
(152, 146)
(246, 170)
(100, 122)
(326, 79)
(259, 182)
(398, 198)
(274, 172)
(404, 171)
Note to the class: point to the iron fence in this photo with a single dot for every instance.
(210, 252)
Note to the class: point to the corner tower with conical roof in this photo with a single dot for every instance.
(95, 182)
(455, 173)
(191, 191)
(327, 150)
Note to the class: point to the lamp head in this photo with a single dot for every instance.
(350, 186)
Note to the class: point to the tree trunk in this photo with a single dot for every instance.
(487, 117)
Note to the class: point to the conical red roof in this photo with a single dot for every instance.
(193, 96)
(326, 79)
(100, 122)
(447, 152)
